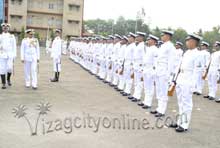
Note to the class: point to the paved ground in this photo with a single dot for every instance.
(79, 94)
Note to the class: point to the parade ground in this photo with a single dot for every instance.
(82, 112)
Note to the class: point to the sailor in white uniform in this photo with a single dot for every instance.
(56, 52)
(30, 56)
(149, 68)
(164, 70)
(128, 64)
(185, 83)
(8, 51)
(203, 60)
(213, 72)
(138, 66)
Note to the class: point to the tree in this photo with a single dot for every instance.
(22, 34)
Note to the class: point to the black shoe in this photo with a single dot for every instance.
(180, 129)
(3, 81)
(159, 115)
(140, 104)
(125, 94)
(3, 86)
(34, 88)
(173, 125)
(130, 97)
(110, 84)
(135, 100)
(153, 112)
(198, 94)
(211, 98)
(120, 90)
(9, 79)
(105, 81)
(9, 83)
(146, 107)
(217, 100)
(206, 96)
(55, 79)
(116, 88)
(194, 93)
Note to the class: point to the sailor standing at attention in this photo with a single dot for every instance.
(30, 56)
(149, 63)
(8, 53)
(164, 70)
(56, 55)
(138, 66)
(186, 82)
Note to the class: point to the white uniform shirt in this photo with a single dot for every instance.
(165, 59)
(121, 54)
(56, 48)
(149, 59)
(138, 55)
(188, 67)
(215, 62)
(206, 57)
(116, 49)
(30, 50)
(129, 54)
(8, 47)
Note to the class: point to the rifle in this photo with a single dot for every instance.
(132, 76)
(218, 81)
(123, 66)
(206, 71)
(172, 87)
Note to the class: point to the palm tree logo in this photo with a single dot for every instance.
(20, 112)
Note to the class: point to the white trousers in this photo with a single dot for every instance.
(121, 77)
(115, 75)
(161, 91)
(138, 84)
(199, 82)
(6, 65)
(57, 65)
(148, 88)
(30, 71)
(128, 80)
(185, 104)
(102, 71)
(212, 82)
(109, 72)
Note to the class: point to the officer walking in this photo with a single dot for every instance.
(30, 56)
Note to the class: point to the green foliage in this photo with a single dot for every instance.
(52, 34)
(37, 35)
(123, 27)
(22, 34)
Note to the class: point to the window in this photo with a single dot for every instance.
(18, 2)
(16, 18)
(51, 6)
(73, 22)
(73, 7)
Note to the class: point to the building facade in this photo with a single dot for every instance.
(45, 15)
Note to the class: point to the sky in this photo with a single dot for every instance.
(187, 14)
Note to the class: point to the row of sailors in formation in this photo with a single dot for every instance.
(124, 61)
